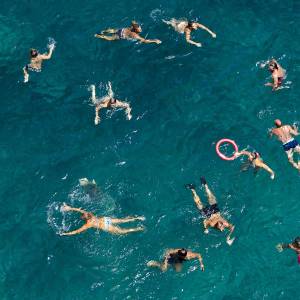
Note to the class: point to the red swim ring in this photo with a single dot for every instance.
(231, 142)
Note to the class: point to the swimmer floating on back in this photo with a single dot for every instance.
(36, 60)
(285, 134)
(108, 101)
(278, 74)
(295, 245)
(254, 160)
(101, 223)
(211, 212)
(175, 258)
(186, 27)
(127, 33)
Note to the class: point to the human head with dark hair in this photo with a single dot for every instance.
(297, 242)
(33, 53)
(273, 65)
(135, 27)
(182, 253)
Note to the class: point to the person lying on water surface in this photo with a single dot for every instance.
(186, 27)
(36, 60)
(101, 223)
(175, 258)
(254, 160)
(211, 213)
(128, 33)
(108, 101)
(285, 134)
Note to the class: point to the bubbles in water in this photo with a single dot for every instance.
(156, 14)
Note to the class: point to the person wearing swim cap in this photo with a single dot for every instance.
(128, 33)
(254, 160)
(186, 27)
(285, 134)
(175, 258)
(101, 223)
(36, 60)
(277, 72)
(295, 245)
(108, 101)
(211, 213)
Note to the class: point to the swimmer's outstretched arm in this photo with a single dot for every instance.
(126, 106)
(145, 41)
(193, 255)
(97, 109)
(207, 29)
(81, 229)
(262, 165)
(231, 229)
(294, 130)
(188, 39)
(66, 207)
(48, 56)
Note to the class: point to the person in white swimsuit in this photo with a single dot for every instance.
(101, 223)
(186, 27)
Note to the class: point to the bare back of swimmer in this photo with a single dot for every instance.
(101, 223)
(128, 33)
(108, 101)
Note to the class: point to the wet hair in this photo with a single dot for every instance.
(277, 123)
(272, 63)
(86, 216)
(34, 53)
(297, 241)
(182, 252)
(134, 26)
(256, 154)
(190, 24)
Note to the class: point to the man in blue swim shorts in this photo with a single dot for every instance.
(285, 134)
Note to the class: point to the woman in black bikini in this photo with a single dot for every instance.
(175, 258)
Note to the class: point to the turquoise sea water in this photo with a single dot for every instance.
(184, 99)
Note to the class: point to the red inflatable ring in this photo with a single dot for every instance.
(231, 142)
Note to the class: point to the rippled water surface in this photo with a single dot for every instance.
(184, 99)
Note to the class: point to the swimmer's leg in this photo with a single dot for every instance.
(126, 220)
(93, 90)
(156, 264)
(211, 197)
(109, 30)
(178, 267)
(195, 196)
(126, 106)
(118, 230)
(110, 91)
(26, 75)
(291, 159)
(107, 38)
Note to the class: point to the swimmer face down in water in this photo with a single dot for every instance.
(211, 212)
(255, 160)
(175, 258)
(128, 33)
(186, 27)
(277, 72)
(285, 134)
(108, 101)
(101, 223)
(36, 60)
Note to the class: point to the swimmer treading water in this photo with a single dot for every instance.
(36, 60)
(186, 27)
(277, 72)
(108, 101)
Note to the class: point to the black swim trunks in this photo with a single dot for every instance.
(29, 68)
(209, 210)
